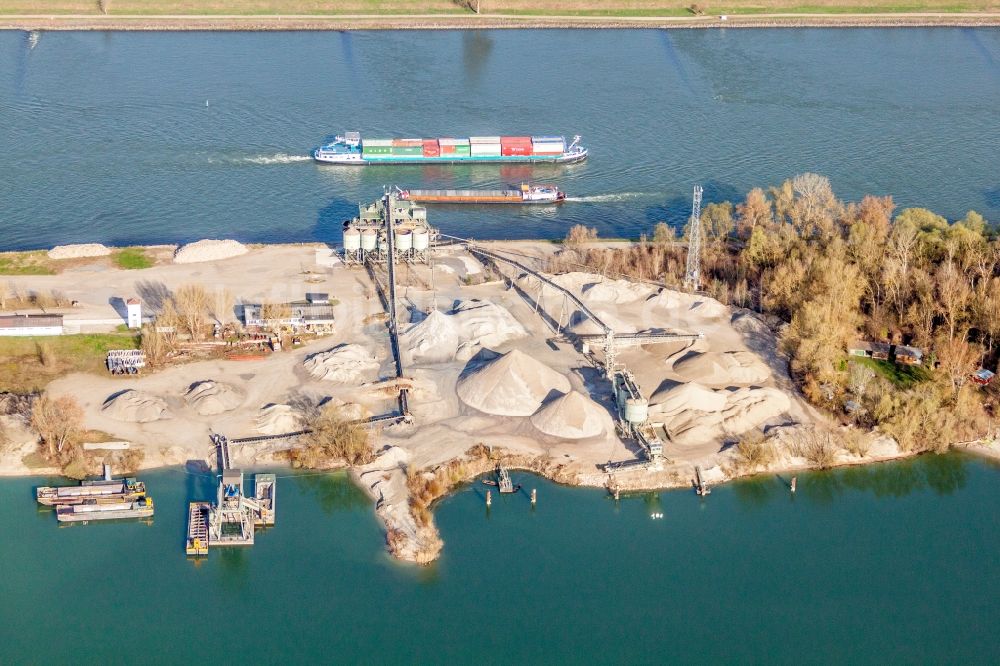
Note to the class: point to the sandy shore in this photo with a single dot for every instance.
(487, 369)
(465, 22)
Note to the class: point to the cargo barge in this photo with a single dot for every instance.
(524, 194)
(94, 509)
(127, 489)
(351, 148)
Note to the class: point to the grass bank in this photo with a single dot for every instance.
(30, 363)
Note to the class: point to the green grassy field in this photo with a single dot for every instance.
(26, 263)
(903, 376)
(132, 258)
(28, 364)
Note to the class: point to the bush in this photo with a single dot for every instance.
(332, 437)
(818, 447)
(754, 452)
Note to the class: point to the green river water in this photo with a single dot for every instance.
(892, 563)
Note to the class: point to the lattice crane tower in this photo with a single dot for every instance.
(692, 275)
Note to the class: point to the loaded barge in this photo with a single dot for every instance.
(351, 148)
(127, 489)
(95, 509)
(524, 194)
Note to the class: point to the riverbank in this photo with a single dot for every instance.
(491, 381)
(233, 22)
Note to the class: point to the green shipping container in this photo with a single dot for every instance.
(376, 150)
(407, 150)
(462, 150)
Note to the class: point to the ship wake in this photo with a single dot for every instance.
(605, 198)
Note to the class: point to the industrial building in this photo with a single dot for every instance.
(366, 236)
(31, 324)
(314, 314)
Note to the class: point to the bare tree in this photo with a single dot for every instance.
(580, 234)
(222, 305)
(57, 421)
(191, 302)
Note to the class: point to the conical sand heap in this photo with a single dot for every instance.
(135, 407)
(514, 384)
(572, 416)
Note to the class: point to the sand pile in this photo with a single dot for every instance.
(459, 334)
(514, 384)
(572, 416)
(667, 299)
(748, 408)
(685, 397)
(709, 308)
(484, 324)
(279, 419)
(614, 291)
(79, 250)
(748, 323)
(346, 364)
(209, 250)
(135, 407)
(435, 339)
(721, 369)
(210, 397)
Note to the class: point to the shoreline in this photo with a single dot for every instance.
(451, 445)
(363, 22)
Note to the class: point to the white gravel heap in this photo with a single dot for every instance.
(514, 384)
(208, 250)
(345, 364)
(747, 408)
(210, 397)
(572, 416)
(279, 419)
(79, 250)
(690, 396)
(135, 407)
(722, 369)
(615, 291)
(460, 334)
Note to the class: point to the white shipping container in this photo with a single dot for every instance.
(548, 147)
(484, 140)
(485, 150)
(376, 142)
(453, 142)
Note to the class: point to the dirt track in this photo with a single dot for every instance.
(438, 22)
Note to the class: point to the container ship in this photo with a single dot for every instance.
(351, 148)
(523, 194)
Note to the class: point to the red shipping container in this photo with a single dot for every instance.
(447, 150)
(515, 145)
(431, 148)
(515, 149)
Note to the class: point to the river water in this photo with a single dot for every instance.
(892, 563)
(156, 137)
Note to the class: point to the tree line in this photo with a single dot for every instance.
(835, 271)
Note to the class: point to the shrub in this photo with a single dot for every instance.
(754, 452)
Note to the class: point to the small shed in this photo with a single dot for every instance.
(31, 324)
(907, 355)
(133, 309)
(875, 350)
(982, 376)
